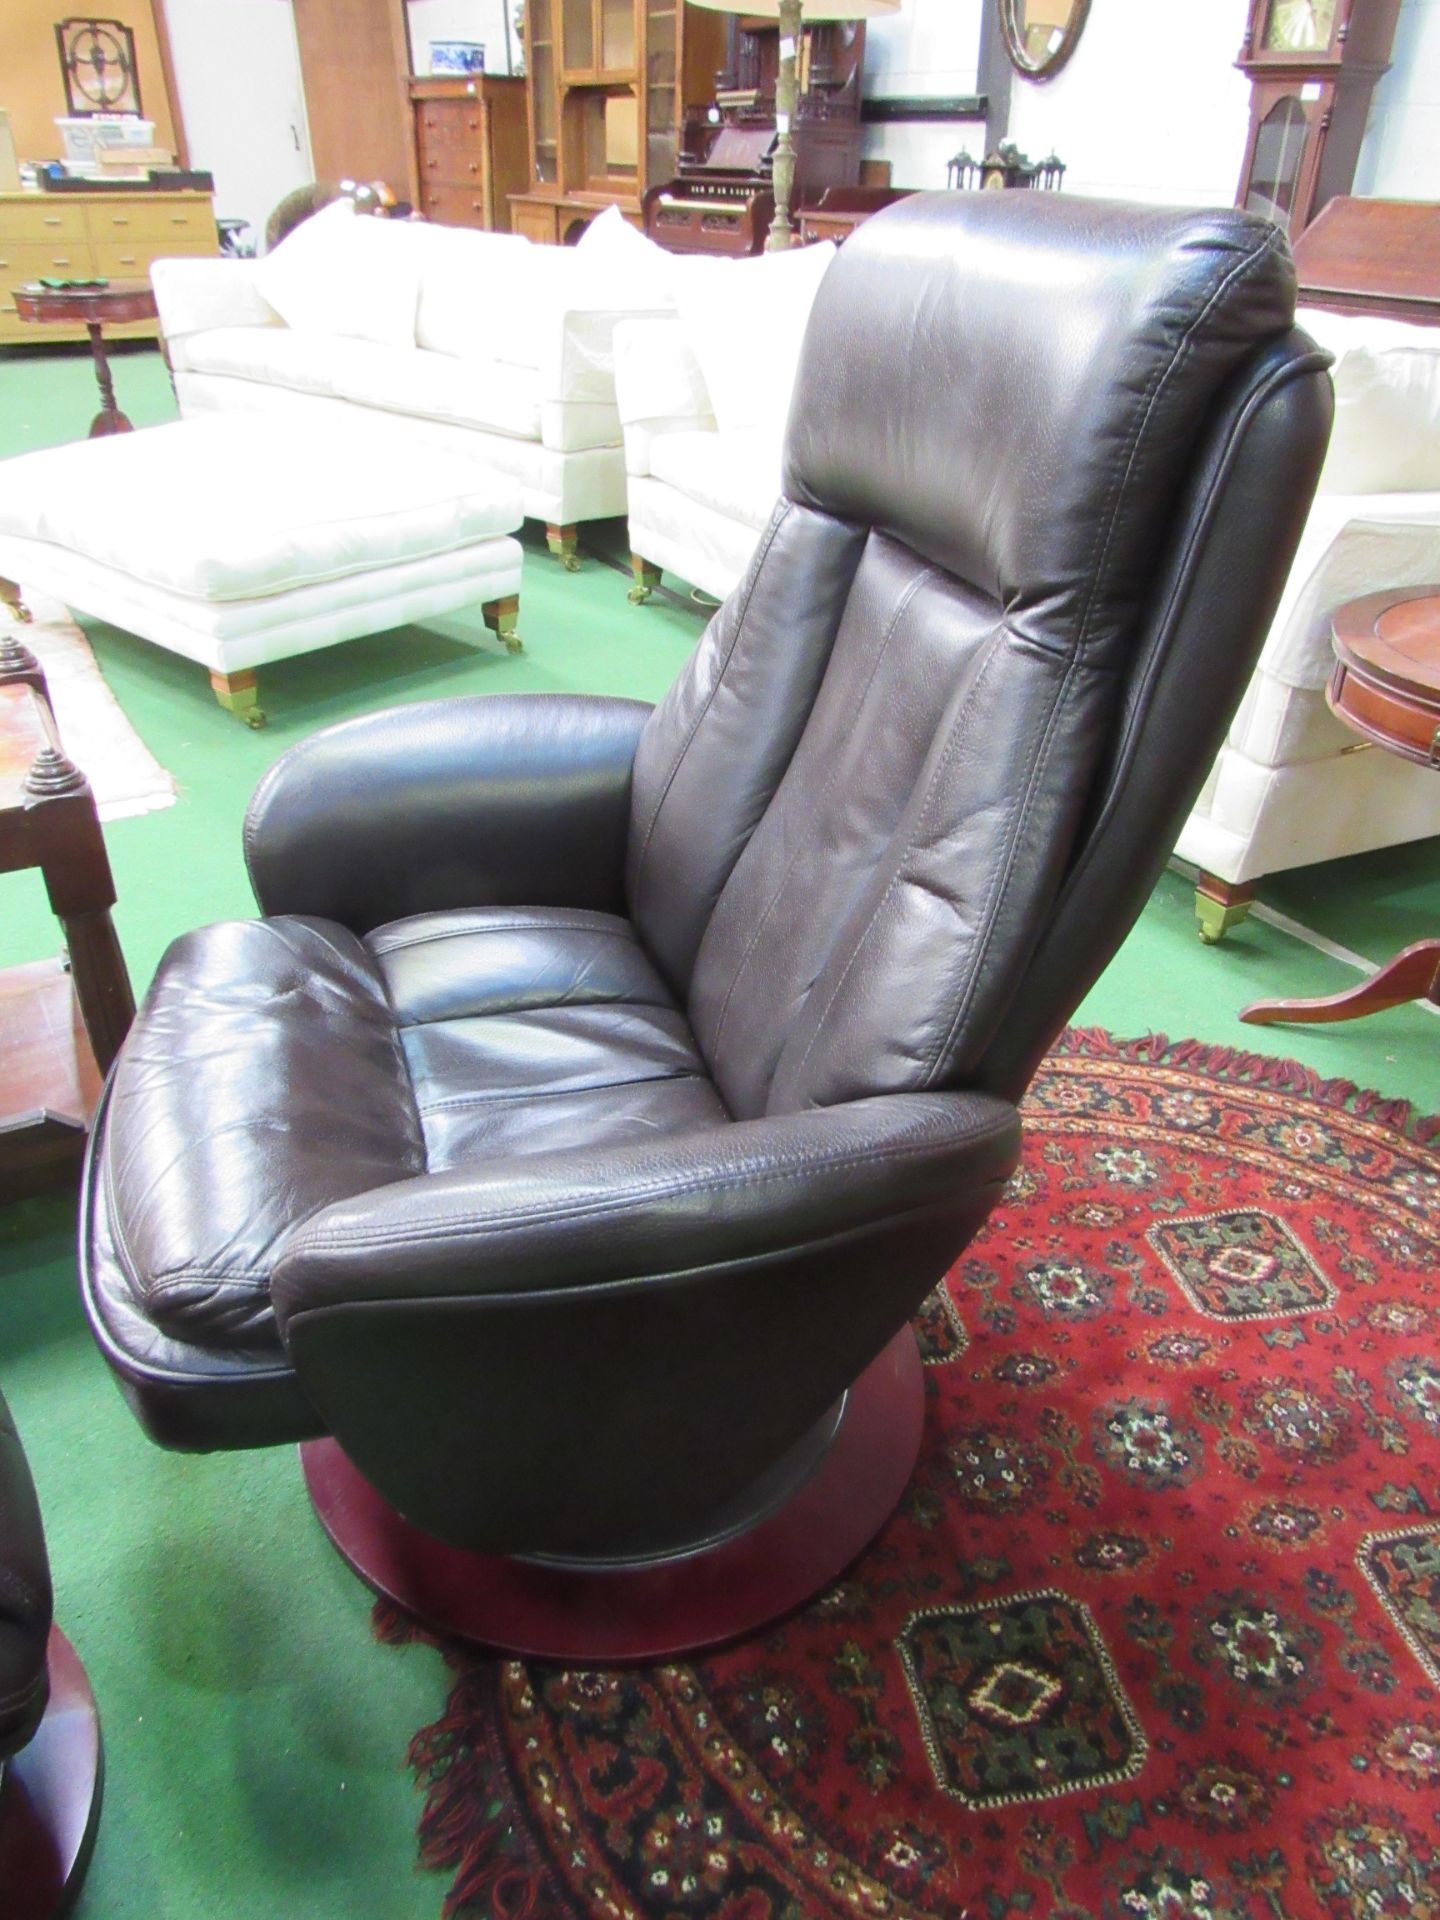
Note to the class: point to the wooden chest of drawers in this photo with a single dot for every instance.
(75, 236)
(470, 148)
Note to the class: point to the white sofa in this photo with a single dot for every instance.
(1292, 784)
(703, 397)
(482, 342)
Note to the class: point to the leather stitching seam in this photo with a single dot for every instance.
(1268, 245)
(801, 1165)
(959, 733)
(777, 520)
(928, 574)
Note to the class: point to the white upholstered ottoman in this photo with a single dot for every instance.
(244, 538)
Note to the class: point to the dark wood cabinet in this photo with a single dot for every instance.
(470, 148)
(1313, 66)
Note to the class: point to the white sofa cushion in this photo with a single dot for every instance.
(619, 267)
(1386, 437)
(347, 274)
(745, 321)
(399, 380)
(734, 474)
(467, 278)
(252, 508)
(437, 386)
(273, 356)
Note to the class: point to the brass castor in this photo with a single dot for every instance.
(253, 717)
(500, 617)
(647, 578)
(570, 562)
(1220, 905)
(563, 542)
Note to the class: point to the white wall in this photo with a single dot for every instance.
(1146, 109)
(237, 72)
(482, 20)
(929, 47)
(1400, 159)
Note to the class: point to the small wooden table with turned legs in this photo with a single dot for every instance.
(1386, 685)
(61, 1021)
(117, 302)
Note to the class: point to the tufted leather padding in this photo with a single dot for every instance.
(694, 1035)
(25, 1599)
(1040, 460)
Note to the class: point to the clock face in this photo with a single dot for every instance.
(1299, 26)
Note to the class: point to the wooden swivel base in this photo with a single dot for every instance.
(653, 1609)
(50, 1797)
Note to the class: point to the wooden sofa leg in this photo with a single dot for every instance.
(647, 578)
(10, 597)
(500, 618)
(563, 542)
(238, 692)
(1221, 904)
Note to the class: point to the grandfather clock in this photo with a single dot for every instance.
(1312, 67)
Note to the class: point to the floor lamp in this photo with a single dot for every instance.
(788, 12)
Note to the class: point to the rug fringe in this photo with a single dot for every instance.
(1254, 1069)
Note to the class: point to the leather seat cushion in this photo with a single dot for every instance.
(538, 1030)
(279, 1065)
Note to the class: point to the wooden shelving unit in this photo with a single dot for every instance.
(606, 86)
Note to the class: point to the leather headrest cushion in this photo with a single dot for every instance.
(1012, 384)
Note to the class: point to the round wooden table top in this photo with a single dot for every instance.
(117, 301)
(1386, 682)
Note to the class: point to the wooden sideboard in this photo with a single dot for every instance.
(471, 148)
(1373, 256)
(77, 236)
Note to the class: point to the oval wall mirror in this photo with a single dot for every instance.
(1040, 35)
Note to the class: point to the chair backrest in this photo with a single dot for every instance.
(1046, 464)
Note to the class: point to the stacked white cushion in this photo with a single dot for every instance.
(467, 279)
(734, 474)
(1386, 437)
(745, 323)
(345, 273)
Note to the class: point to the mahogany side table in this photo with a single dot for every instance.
(60, 1025)
(1386, 685)
(117, 302)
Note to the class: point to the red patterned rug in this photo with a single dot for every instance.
(1156, 1632)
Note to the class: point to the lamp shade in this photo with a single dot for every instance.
(815, 10)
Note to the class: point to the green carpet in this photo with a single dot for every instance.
(255, 1737)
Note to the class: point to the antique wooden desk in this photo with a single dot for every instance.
(1386, 685)
(60, 1026)
(118, 302)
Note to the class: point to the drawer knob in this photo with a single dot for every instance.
(119, 220)
(51, 220)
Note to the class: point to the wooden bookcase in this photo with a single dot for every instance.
(471, 150)
(606, 84)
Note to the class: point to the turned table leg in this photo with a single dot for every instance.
(238, 693)
(109, 419)
(563, 542)
(500, 617)
(1221, 904)
(1414, 974)
(647, 578)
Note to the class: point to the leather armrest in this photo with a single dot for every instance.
(25, 1602)
(492, 800)
(750, 1191)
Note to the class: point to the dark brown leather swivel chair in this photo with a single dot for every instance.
(50, 1774)
(604, 1088)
